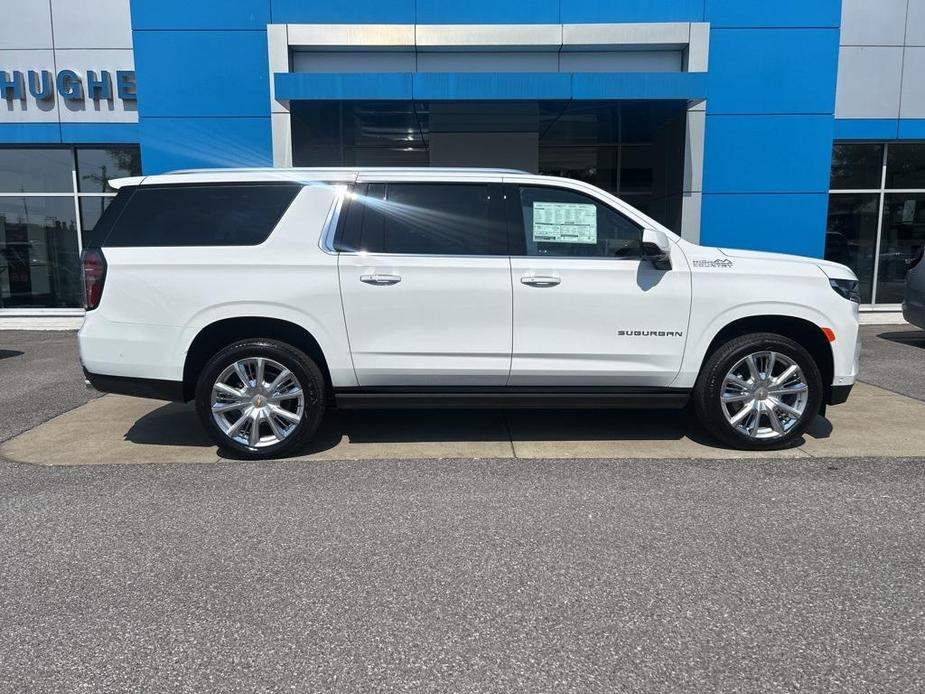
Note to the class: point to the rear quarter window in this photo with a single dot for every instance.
(198, 215)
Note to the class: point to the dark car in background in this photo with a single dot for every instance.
(914, 302)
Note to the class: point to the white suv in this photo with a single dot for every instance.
(270, 295)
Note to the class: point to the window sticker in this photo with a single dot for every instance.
(564, 222)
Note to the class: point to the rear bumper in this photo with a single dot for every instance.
(136, 387)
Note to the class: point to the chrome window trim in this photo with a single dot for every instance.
(326, 241)
(624, 210)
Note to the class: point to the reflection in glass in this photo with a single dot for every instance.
(36, 170)
(594, 165)
(96, 166)
(39, 265)
(629, 148)
(902, 235)
(905, 165)
(856, 166)
(851, 235)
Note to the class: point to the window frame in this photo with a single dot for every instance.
(517, 240)
(882, 191)
(75, 194)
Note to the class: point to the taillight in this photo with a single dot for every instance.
(93, 269)
(917, 258)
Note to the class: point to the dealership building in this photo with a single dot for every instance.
(793, 126)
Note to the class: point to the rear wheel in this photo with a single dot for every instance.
(260, 399)
(758, 392)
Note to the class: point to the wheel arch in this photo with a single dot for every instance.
(221, 333)
(801, 330)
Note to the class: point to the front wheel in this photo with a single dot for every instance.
(758, 392)
(260, 399)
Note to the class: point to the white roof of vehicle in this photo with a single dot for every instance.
(306, 175)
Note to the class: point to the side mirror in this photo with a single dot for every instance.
(656, 248)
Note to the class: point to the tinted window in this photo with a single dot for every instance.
(97, 166)
(199, 215)
(36, 170)
(856, 166)
(905, 166)
(851, 235)
(427, 219)
(556, 222)
(98, 216)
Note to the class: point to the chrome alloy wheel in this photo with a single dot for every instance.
(257, 402)
(764, 395)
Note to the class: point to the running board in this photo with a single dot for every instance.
(500, 398)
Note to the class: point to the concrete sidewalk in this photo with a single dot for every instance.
(121, 430)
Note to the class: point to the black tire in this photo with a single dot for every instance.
(708, 390)
(302, 367)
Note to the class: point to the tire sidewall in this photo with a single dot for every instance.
(709, 389)
(304, 369)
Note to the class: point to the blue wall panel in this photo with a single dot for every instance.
(488, 12)
(492, 85)
(773, 13)
(352, 12)
(200, 14)
(489, 85)
(327, 86)
(773, 70)
(767, 154)
(911, 129)
(177, 143)
(202, 73)
(866, 128)
(631, 11)
(781, 223)
(29, 133)
(639, 85)
(104, 133)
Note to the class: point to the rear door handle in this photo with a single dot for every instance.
(540, 281)
(380, 280)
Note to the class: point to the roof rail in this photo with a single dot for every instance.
(358, 169)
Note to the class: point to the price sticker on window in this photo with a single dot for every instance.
(564, 222)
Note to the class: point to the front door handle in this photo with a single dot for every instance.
(540, 281)
(380, 280)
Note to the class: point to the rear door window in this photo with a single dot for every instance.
(426, 219)
(198, 215)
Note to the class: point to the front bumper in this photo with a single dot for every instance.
(914, 312)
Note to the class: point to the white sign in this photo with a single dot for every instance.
(564, 222)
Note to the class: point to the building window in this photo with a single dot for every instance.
(634, 150)
(50, 199)
(876, 217)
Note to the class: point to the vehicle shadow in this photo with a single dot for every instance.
(7, 353)
(915, 338)
(176, 424)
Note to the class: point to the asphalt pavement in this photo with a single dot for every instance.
(456, 575)
(39, 378)
(466, 576)
(893, 357)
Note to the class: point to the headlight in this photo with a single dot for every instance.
(849, 289)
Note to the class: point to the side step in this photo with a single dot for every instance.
(500, 398)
